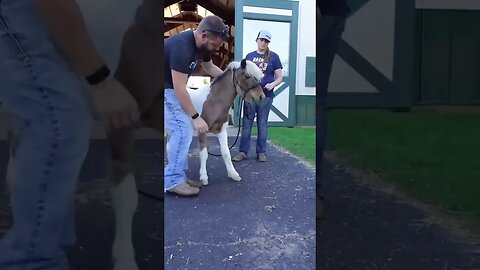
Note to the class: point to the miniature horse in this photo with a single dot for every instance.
(213, 103)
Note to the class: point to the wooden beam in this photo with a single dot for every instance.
(171, 26)
(168, 3)
(181, 20)
(221, 12)
(229, 52)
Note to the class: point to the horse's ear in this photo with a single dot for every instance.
(243, 64)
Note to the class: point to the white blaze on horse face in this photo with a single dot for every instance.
(223, 140)
(124, 202)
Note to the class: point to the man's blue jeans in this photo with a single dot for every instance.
(52, 125)
(180, 131)
(249, 110)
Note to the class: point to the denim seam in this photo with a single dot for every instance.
(172, 111)
(43, 187)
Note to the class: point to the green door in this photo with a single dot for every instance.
(280, 18)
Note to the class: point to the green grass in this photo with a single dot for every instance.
(298, 141)
(431, 156)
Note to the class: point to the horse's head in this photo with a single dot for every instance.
(247, 77)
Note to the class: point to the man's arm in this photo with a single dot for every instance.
(65, 24)
(180, 85)
(211, 69)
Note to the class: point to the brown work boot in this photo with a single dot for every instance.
(185, 189)
(194, 183)
(262, 157)
(241, 156)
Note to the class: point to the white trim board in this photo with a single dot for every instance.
(270, 11)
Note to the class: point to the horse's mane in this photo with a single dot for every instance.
(251, 69)
(220, 77)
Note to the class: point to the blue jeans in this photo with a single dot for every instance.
(51, 122)
(180, 131)
(249, 110)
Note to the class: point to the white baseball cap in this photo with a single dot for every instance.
(265, 35)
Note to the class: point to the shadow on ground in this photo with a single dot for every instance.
(265, 221)
(367, 229)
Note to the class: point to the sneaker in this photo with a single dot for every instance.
(185, 189)
(241, 156)
(262, 157)
(194, 183)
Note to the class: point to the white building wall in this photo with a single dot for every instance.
(306, 45)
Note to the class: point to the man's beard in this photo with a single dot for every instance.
(204, 49)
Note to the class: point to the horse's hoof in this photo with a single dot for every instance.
(235, 177)
(204, 182)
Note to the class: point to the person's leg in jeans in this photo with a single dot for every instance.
(249, 111)
(180, 131)
(52, 123)
(263, 110)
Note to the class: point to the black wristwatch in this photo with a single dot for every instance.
(98, 76)
(195, 116)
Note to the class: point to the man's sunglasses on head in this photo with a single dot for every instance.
(222, 33)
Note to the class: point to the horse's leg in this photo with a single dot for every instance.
(223, 140)
(202, 143)
(124, 197)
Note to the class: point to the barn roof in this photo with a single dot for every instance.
(181, 15)
(186, 14)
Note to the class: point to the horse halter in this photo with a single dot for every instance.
(235, 83)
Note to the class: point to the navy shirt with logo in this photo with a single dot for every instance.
(182, 55)
(268, 68)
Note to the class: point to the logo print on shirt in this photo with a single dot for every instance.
(259, 62)
(193, 65)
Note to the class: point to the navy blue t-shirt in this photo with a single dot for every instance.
(182, 55)
(268, 69)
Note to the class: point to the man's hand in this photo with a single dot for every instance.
(211, 69)
(115, 104)
(200, 125)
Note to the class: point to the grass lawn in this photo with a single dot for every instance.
(431, 156)
(298, 141)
